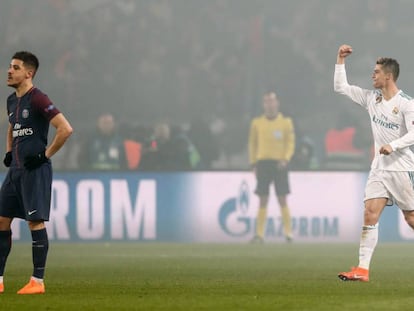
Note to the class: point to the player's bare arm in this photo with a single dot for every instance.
(343, 51)
(8, 157)
(9, 138)
(63, 131)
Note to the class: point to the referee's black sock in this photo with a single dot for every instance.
(5, 247)
(40, 247)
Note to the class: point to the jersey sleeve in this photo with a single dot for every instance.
(8, 105)
(407, 139)
(341, 86)
(42, 104)
(252, 143)
(290, 139)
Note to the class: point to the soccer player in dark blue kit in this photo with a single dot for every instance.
(26, 190)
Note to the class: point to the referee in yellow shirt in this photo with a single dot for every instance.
(271, 146)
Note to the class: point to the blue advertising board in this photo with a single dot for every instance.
(216, 207)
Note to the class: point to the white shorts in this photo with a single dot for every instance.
(393, 185)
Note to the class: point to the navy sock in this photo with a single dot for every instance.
(5, 247)
(40, 247)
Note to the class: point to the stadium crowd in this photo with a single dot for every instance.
(182, 79)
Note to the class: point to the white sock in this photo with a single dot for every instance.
(1, 279)
(368, 242)
(37, 279)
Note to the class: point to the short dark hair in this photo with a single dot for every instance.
(29, 60)
(390, 65)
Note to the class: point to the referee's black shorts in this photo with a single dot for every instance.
(269, 171)
(26, 194)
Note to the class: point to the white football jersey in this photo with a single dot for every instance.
(392, 122)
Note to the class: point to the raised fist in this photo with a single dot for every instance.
(344, 50)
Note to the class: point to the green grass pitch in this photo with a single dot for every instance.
(155, 276)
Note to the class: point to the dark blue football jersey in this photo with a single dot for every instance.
(29, 117)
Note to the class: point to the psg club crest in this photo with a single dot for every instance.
(25, 113)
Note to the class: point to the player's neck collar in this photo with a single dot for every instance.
(27, 90)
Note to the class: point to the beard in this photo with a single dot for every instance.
(14, 85)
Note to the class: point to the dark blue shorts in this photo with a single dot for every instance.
(26, 194)
(268, 172)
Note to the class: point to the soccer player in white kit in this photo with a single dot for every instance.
(391, 178)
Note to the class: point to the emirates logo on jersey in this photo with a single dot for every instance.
(18, 131)
(383, 121)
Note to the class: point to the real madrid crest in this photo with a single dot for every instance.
(395, 110)
(25, 113)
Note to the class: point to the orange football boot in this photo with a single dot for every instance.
(356, 274)
(32, 287)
